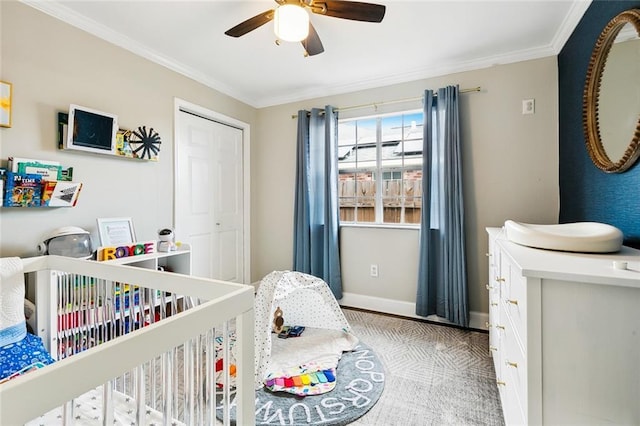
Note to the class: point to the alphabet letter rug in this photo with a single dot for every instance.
(360, 382)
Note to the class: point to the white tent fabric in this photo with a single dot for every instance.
(304, 299)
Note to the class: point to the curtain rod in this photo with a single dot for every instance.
(397, 101)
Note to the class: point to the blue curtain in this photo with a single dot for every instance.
(316, 212)
(442, 275)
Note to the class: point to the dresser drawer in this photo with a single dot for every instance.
(514, 366)
(514, 298)
(494, 315)
(511, 409)
(494, 255)
(496, 348)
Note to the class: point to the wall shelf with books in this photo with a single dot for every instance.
(27, 182)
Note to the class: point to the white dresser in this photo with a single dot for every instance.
(564, 333)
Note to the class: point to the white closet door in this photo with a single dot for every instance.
(209, 195)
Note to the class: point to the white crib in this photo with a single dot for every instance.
(140, 339)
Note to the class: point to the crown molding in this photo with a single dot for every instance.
(406, 77)
(70, 17)
(570, 22)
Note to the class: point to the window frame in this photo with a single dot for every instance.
(378, 172)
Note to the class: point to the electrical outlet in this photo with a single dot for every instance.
(529, 106)
(373, 270)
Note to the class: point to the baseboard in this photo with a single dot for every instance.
(477, 320)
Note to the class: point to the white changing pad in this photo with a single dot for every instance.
(88, 411)
(317, 346)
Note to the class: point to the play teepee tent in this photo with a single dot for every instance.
(306, 301)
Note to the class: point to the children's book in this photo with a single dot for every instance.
(64, 194)
(47, 171)
(3, 175)
(13, 163)
(47, 190)
(22, 190)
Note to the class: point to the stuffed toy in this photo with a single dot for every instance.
(278, 321)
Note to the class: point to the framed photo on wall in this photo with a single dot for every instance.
(116, 231)
(6, 92)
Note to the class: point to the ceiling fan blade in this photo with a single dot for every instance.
(250, 24)
(353, 10)
(312, 43)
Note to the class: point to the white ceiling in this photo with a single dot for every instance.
(416, 40)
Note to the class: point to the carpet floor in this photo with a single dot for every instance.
(435, 375)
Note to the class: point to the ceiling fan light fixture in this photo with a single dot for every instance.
(291, 23)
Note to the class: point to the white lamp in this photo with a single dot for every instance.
(291, 23)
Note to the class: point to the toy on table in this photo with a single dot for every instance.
(166, 243)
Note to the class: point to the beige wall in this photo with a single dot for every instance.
(510, 168)
(51, 65)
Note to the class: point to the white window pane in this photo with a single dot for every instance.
(366, 131)
(413, 126)
(344, 151)
(346, 133)
(409, 147)
(392, 128)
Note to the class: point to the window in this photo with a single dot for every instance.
(380, 168)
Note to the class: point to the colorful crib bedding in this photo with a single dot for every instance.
(21, 356)
(306, 365)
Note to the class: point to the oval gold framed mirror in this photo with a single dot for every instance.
(610, 99)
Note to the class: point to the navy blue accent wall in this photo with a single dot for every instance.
(586, 192)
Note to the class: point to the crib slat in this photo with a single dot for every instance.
(196, 373)
(245, 380)
(210, 392)
(167, 387)
(67, 413)
(107, 403)
(188, 382)
(226, 379)
(141, 411)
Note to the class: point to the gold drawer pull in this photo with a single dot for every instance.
(512, 301)
(493, 348)
(500, 382)
(500, 279)
(489, 287)
(487, 324)
(501, 327)
(488, 254)
(511, 364)
(494, 303)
